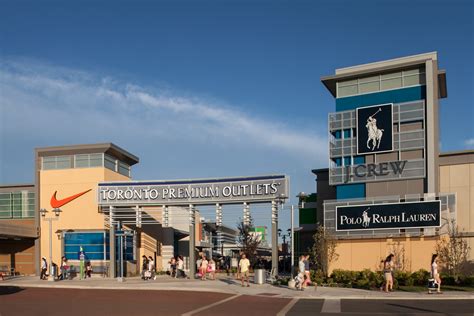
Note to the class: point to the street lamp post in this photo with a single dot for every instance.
(300, 196)
(43, 212)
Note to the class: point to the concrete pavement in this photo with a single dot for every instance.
(227, 285)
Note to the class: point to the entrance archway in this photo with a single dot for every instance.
(131, 203)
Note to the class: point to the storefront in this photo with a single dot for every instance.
(389, 192)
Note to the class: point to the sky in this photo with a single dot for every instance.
(201, 89)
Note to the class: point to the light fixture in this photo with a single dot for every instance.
(57, 211)
(43, 212)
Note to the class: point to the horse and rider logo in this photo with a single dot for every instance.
(374, 129)
(365, 218)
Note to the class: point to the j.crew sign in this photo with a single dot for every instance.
(372, 169)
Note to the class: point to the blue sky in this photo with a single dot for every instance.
(210, 88)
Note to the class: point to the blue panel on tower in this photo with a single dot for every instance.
(391, 96)
(350, 191)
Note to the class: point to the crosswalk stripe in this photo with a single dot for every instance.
(195, 311)
(332, 305)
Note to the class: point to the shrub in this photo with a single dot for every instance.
(318, 276)
(420, 277)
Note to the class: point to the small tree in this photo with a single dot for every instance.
(324, 249)
(453, 251)
(401, 260)
(249, 241)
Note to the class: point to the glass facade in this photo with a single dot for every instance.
(394, 80)
(86, 161)
(95, 245)
(17, 205)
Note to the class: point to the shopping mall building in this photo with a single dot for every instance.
(388, 189)
(87, 189)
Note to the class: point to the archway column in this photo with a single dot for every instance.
(275, 237)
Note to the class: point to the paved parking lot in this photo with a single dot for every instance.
(56, 301)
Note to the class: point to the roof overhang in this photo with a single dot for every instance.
(108, 148)
(13, 231)
(381, 67)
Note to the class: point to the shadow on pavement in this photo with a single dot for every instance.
(7, 290)
(228, 281)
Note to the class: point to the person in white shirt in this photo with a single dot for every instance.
(180, 273)
(434, 273)
(44, 268)
(301, 272)
(244, 265)
(151, 267)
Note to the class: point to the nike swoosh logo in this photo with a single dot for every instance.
(55, 203)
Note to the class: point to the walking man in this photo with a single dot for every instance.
(244, 265)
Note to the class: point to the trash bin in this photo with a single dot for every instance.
(259, 277)
(54, 271)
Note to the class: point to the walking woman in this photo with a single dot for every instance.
(388, 272)
(434, 273)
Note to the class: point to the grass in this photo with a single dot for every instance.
(443, 288)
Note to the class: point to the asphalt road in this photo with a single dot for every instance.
(84, 302)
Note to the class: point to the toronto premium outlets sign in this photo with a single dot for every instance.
(205, 191)
(389, 216)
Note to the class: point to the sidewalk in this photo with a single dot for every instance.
(227, 285)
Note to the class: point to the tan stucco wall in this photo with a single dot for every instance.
(359, 254)
(459, 179)
(80, 214)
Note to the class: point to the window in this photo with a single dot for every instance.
(57, 162)
(110, 162)
(92, 243)
(19, 204)
(86, 161)
(394, 80)
(124, 169)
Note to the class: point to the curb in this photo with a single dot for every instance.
(415, 296)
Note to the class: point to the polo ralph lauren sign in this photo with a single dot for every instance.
(389, 215)
(374, 129)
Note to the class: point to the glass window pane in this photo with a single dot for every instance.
(411, 72)
(345, 91)
(63, 162)
(124, 169)
(391, 83)
(82, 161)
(392, 75)
(347, 83)
(369, 79)
(369, 87)
(96, 160)
(49, 163)
(109, 162)
(414, 80)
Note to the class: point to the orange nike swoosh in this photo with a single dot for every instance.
(55, 203)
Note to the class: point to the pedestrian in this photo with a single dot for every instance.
(44, 268)
(435, 274)
(88, 269)
(204, 265)
(244, 265)
(64, 267)
(301, 273)
(144, 266)
(307, 272)
(198, 266)
(380, 269)
(180, 268)
(388, 272)
(172, 263)
(151, 267)
(212, 269)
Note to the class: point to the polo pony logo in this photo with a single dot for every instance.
(365, 218)
(375, 134)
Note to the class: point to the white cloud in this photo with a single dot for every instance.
(469, 142)
(49, 105)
